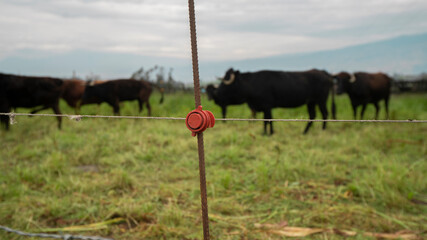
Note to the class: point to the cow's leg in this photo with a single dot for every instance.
(224, 111)
(377, 109)
(147, 104)
(268, 115)
(271, 124)
(363, 111)
(39, 109)
(386, 106)
(56, 110)
(4, 108)
(140, 102)
(253, 113)
(312, 114)
(77, 108)
(116, 109)
(5, 120)
(324, 111)
(354, 111)
(116, 106)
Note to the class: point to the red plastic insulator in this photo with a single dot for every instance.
(199, 120)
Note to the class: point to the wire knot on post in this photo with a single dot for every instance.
(199, 120)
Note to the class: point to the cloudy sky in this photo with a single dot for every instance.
(227, 29)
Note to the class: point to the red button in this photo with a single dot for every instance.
(195, 120)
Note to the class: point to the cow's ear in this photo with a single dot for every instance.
(237, 73)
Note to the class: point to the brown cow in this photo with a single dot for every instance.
(73, 93)
(115, 91)
(364, 88)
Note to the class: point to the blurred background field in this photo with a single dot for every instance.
(364, 177)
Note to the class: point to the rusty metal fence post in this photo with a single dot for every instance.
(196, 81)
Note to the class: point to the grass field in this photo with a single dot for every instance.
(138, 179)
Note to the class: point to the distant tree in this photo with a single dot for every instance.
(75, 76)
(160, 76)
(167, 82)
(93, 77)
(140, 74)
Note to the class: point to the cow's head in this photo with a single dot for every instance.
(344, 81)
(230, 77)
(211, 91)
(89, 92)
(229, 91)
(90, 83)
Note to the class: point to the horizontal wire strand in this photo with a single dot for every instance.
(54, 236)
(323, 120)
(78, 117)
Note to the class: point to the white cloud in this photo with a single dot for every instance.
(227, 29)
(278, 27)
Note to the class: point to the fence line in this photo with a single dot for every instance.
(79, 117)
(54, 236)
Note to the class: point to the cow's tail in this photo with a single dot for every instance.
(333, 106)
(162, 90)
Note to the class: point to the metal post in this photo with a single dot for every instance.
(202, 173)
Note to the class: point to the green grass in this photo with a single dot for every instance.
(365, 177)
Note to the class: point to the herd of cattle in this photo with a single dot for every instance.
(39, 93)
(262, 91)
(265, 90)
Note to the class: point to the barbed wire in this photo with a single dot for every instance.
(54, 236)
(79, 117)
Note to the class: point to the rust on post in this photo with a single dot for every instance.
(201, 151)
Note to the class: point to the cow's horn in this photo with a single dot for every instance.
(352, 78)
(229, 81)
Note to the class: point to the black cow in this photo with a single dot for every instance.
(364, 88)
(265, 90)
(115, 91)
(212, 93)
(29, 92)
